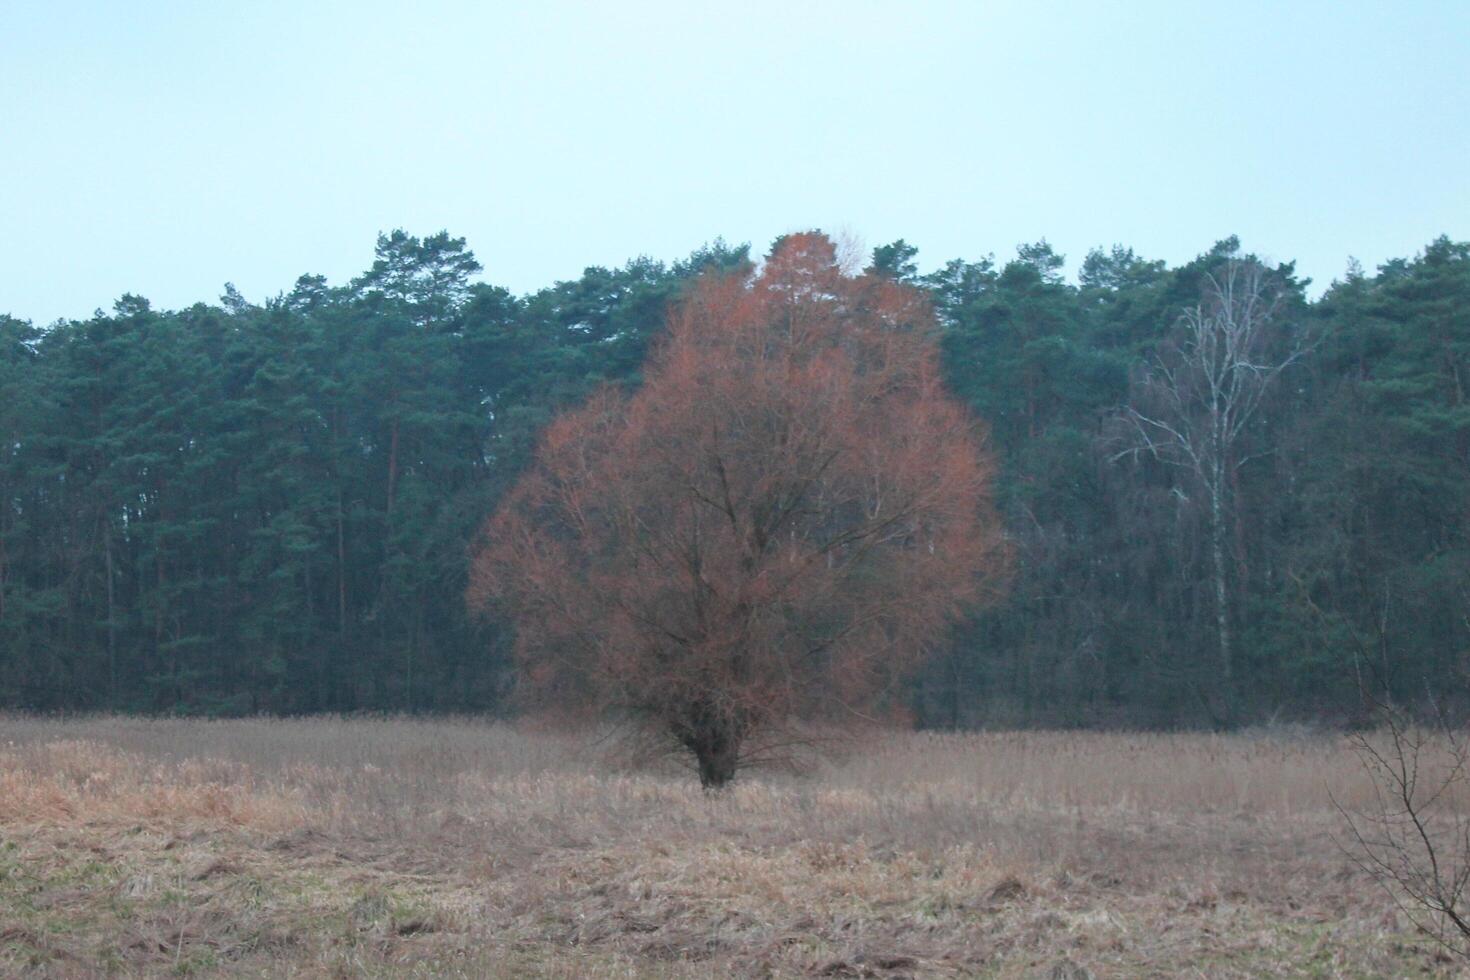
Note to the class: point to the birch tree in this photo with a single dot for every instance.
(1194, 404)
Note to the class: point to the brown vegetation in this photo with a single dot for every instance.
(777, 525)
(396, 847)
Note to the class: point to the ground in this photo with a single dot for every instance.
(394, 847)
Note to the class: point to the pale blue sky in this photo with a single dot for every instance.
(166, 147)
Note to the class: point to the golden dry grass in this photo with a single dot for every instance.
(459, 848)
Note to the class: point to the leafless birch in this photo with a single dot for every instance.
(1196, 400)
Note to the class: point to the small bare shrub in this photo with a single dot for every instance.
(1413, 835)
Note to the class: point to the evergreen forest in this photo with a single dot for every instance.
(240, 508)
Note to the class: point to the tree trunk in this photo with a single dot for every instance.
(954, 692)
(715, 744)
(1222, 597)
(341, 570)
(717, 763)
(2, 572)
(392, 469)
(111, 623)
(158, 611)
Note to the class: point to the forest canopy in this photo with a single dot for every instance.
(245, 507)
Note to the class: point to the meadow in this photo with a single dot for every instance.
(402, 847)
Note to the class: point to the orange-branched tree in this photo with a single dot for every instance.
(776, 526)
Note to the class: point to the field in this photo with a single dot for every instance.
(397, 847)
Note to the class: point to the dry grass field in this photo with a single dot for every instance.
(457, 848)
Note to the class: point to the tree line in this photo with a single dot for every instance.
(267, 507)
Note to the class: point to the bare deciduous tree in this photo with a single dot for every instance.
(1193, 404)
(1413, 836)
(778, 524)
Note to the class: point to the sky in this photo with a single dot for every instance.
(164, 148)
